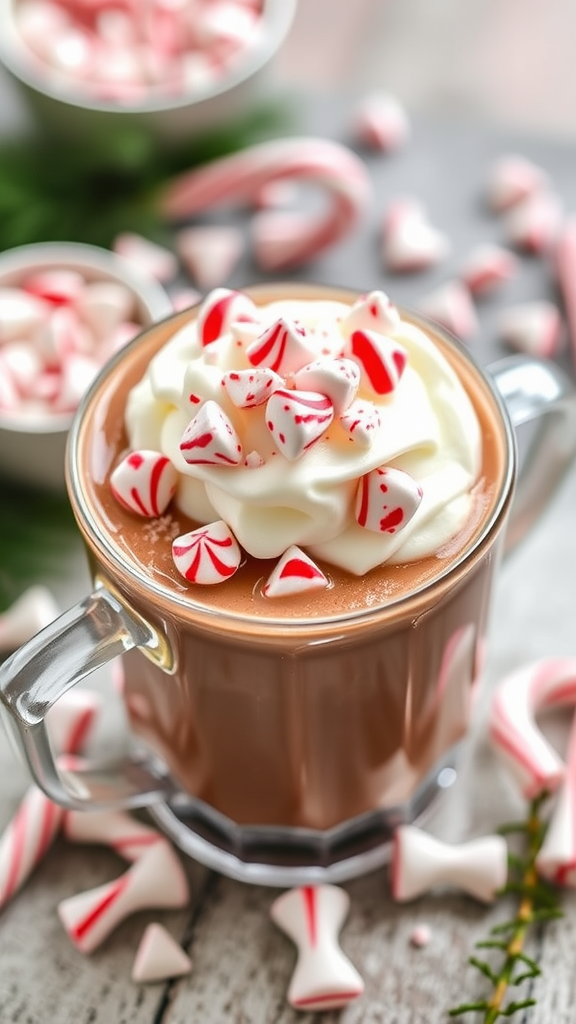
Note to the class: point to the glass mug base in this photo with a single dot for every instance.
(286, 856)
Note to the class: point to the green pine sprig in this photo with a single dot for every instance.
(537, 902)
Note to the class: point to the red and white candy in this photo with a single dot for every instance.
(361, 422)
(248, 389)
(297, 420)
(409, 241)
(283, 347)
(381, 123)
(372, 312)
(451, 306)
(487, 268)
(159, 957)
(210, 252)
(533, 224)
(210, 438)
(144, 482)
(21, 313)
(565, 262)
(381, 360)
(532, 760)
(33, 610)
(338, 379)
(312, 916)
(556, 859)
(511, 179)
(295, 573)
(532, 327)
(153, 259)
(156, 879)
(207, 555)
(420, 862)
(386, 500)
(220, 309)
(128, 836)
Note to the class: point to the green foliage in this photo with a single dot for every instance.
(53, 189)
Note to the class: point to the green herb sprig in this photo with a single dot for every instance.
(537, 902)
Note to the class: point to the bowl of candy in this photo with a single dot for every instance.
(65, 309)
(174, 67)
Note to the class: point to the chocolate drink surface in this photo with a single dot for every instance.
(313, 708)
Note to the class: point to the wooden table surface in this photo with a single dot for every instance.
(241, 963)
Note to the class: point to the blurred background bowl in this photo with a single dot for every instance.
(70, 109)
(32, 447)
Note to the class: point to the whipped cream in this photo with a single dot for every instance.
(407, 403)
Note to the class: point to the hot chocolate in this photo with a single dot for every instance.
(312, 708)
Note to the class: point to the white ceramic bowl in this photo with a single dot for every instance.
(168, 118)
(32, 449)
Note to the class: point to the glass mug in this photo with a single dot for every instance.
(276, 750)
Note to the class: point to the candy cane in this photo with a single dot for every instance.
(123, 833)
(34, 826)
(557, 857)
(241, 177)
(530, 757)
(565, 258)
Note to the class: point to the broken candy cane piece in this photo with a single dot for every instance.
(283, 347)
(381, 360)
(527, 753)
(33, 610)
(381, 123)
(312, 916)
(153, 259)
(487, 267)
(105, 305)
(156, 879)
(20, 313)
(371, 312)
(297, 419)
(210, 438)
(247, 389)
(421, 862)
(128, 836)
(241, 176)
(451, 306)
(144, 482)
(209, 253)
(295, 573)
(565, 266)
(361, 421)
(532, 327)
(71, 719)
(409, 241)
(207, 555)
(556, 859)
(253, 460)
(534, 223)
(220, 309)
(58, 286)
(280, 238)
(338, 379)
(159, 957)
(512, 178)
(386, 500)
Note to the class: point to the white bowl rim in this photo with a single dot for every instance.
(277, 15)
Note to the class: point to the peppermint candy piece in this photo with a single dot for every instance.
(532, 327)
(361, 421)
(210, 439)
(207, 555)
(296, 419)
(247, 389)
(381, 360)
(533, 224)
(144, 482)
(372, 312)
(409, 241)
(283, 347)
(295, 573)
(381, 123)
(487, 267)
(219, 310)
(451, 305)
(338, 379)
(386, 500)
(210, 252)
(512, 178)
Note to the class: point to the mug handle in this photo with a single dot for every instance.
(100, 627)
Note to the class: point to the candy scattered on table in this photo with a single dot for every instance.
(159, 957)
(420, 862)
(564, 264)
(209, 253)
(532, 760)
(532, 327)
(556, 859)
(33, 610)
(512, 178)
(533, 224)
(151, 258)
(452, 306)
(122, 832)
(488, 267)
(312, 916)
(410, 243)
(381, 123)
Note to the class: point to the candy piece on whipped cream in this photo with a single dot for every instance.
(361, 421)
(144, 482)
(532, 327)
(159, 956)
(295, 573)
(297, 419)
(372, 312)
(253, 460)
(338, 379)
(409, 241)
(386, 500)
(381, 360)
(210, 438)
(512, 178)
(247, 389)
(219, 310)
(207, 555)
(283, 347)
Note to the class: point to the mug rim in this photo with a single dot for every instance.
(208, 617)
